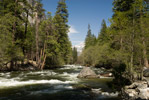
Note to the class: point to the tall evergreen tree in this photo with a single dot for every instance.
(103, 37)
(90, 39)
(74, 55)
(61, 19)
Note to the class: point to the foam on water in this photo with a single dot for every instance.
(63, 87)
(70, 76)
(13, 83)
(56, 88)
(42, 72)
(72, 67)
(49, 80)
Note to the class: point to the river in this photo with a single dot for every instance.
(57, 84)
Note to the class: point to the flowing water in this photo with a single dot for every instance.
(57, 84)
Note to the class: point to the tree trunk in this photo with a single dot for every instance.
(43, 63)
(132, 46)
(44, 56)
(144, 54)
(141, 70)
(36, 32)
(14, 32)
(146, 64)
(25, 32)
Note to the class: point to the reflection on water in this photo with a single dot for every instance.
(53, 85)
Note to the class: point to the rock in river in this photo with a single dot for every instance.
(146, 73)
(87, 72)
(137, 91)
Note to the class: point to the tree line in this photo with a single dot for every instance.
(124, 45)
(29, 35)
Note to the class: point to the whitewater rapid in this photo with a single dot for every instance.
(6, 81)
(50, 83)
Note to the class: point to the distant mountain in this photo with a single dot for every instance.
(79, 47)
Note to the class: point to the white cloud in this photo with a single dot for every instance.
(72, 30)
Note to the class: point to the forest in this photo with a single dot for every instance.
(29, 35)
(37, 41)
(124, 45)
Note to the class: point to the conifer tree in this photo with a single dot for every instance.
(90, 39)
(103, 37)
(74, 55)
(60, 20)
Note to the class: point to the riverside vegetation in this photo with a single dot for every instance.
(124, 45)
(29, 37)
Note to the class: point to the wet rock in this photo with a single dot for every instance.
(87, 72)
(106, 75)
(131, 94)
(144, 94)
(105, 94)
(147, 80)
(146, 73)
(137, 91)
(97, 91)
(138, 84)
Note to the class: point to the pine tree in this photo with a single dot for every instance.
(103, 35)
(60, 20)
(90, 39)
(13, 10)
(74, 55)
(131, 39)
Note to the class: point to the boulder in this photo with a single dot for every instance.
(146, 73)
(137, 91)
(144, 94)
(87, 72)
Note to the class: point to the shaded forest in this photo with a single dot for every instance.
(30, 36)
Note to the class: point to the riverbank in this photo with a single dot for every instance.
(26, 66)
(138, 90)
(22, 67)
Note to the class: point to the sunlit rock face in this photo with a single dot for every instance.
(86, 72)
(137, 91)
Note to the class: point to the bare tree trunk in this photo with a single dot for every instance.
(43, 63)
(44, 56)
(132, 47)
(26, 28)
(141, 70)
(146, 64)
(36, 32)
(40, 58)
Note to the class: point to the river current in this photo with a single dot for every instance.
(57, 84)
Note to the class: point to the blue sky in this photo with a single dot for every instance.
(82, 13)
